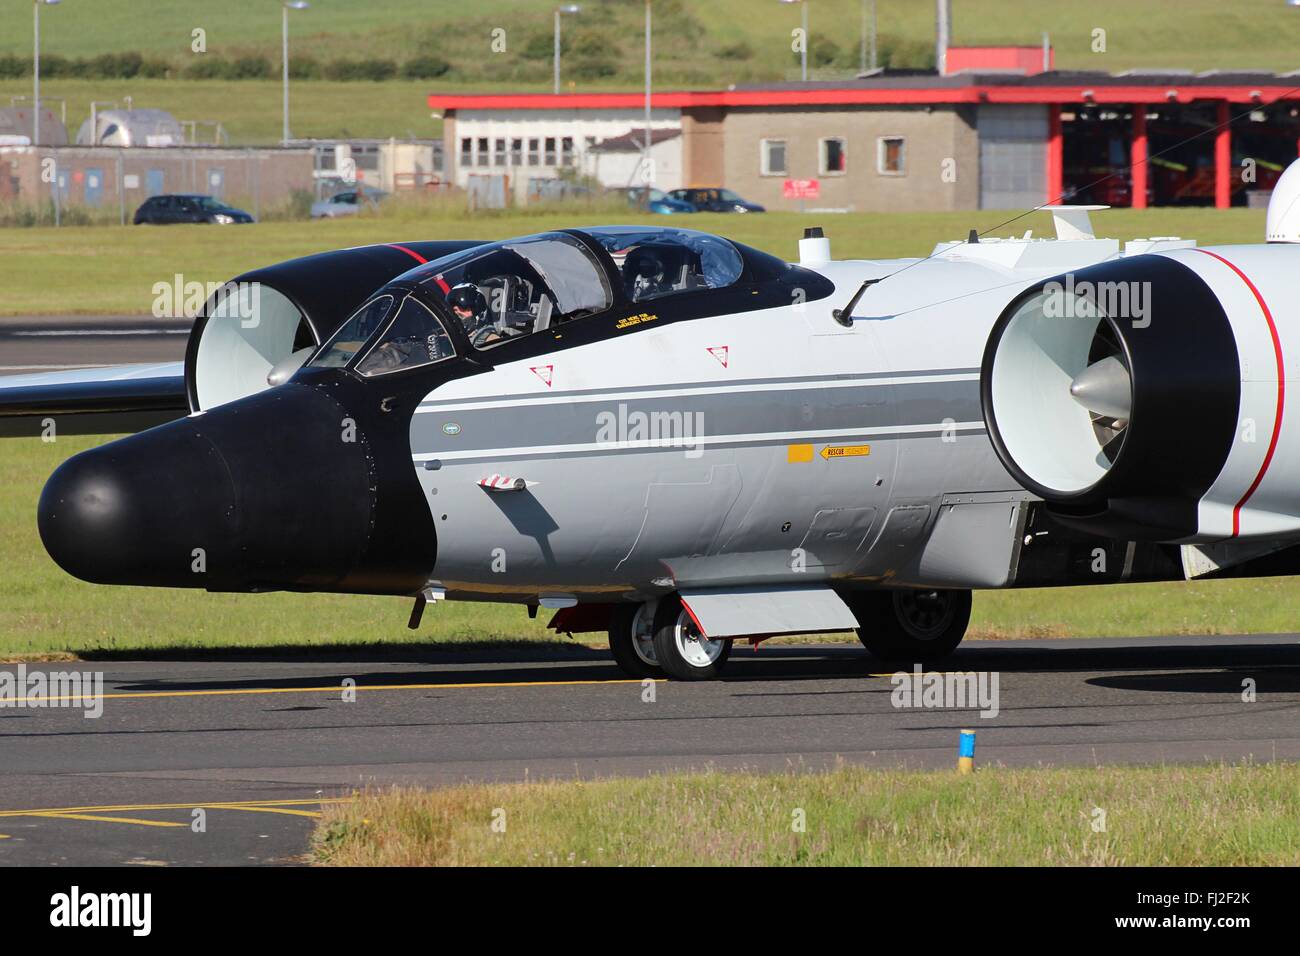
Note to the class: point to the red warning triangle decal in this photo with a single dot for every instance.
(544, 372)
(719, 352)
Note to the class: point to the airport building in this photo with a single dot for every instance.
(995, 132)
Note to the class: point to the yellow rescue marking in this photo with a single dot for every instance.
(845, 451)
(99, 819)
(797, 454)
(632, 320)
(331, 689)
(228, 805)
(4, 836)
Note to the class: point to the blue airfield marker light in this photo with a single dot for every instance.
(966, 752)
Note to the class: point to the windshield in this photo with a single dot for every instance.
(356, 331)
(207, 202)
(511, 289)
(728, 196)
(415, 337)
(658, 262)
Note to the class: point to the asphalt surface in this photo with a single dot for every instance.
(54, 342)
(259, 743)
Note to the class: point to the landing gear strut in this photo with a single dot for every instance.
(916, 626)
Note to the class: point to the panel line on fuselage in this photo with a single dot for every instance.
(431, 403)
(928, 430)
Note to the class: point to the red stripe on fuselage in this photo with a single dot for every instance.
(1281, 390)
(410, 252)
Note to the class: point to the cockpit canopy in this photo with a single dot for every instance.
(506, 290)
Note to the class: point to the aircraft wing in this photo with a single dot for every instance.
(93, 401)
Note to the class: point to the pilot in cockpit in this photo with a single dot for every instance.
(644, 275)
(470, 307)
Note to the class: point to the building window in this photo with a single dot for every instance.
(772, 157)
(534, 149)
(891, 156)
(466, 151)
(481, 159)
(834, 156)
(566, 151)
(499, 154)
(550, 152)
(366, 157)
(516, 152)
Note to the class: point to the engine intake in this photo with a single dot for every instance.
(1113, 393)
(257, 325)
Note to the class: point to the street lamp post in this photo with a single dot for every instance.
(649, 47)
(284, 56)
(868, 30)
(36, 68)
(803, 48)
(559, 12)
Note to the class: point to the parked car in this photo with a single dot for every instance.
(164, 210)
(649, 199)
(715, 200)
(346, 203)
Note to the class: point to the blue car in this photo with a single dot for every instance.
(715, 200)
(649, 199)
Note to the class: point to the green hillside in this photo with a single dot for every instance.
(418, 46)
(1198, 34)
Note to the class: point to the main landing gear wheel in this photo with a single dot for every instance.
(631, 640)
(682, 649)
(916, 626)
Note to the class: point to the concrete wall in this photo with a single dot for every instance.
(704, 147)
(937, 140)
(90, 175)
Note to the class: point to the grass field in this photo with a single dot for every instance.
(112, 269)
(702, 44)
(1158, 816)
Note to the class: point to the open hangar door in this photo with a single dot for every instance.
(1098, 146)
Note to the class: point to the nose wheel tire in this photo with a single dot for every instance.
(682, 649)
(631, 640)
(915, 626)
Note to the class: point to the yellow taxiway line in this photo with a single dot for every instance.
(329, 689)
(78, 813)
(98, 819)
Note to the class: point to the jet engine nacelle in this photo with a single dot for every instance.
(1144, 398)
(259, 327)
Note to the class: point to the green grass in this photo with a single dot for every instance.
(606, 40)
(250, 110)
(1245, 815)
(112, 269)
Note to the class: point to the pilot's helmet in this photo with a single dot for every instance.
(466, 298)
(649, 266)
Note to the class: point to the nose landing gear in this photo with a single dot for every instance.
(661, 638)
(631, 640)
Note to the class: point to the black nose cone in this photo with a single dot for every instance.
(154, 509)
(270, 492)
